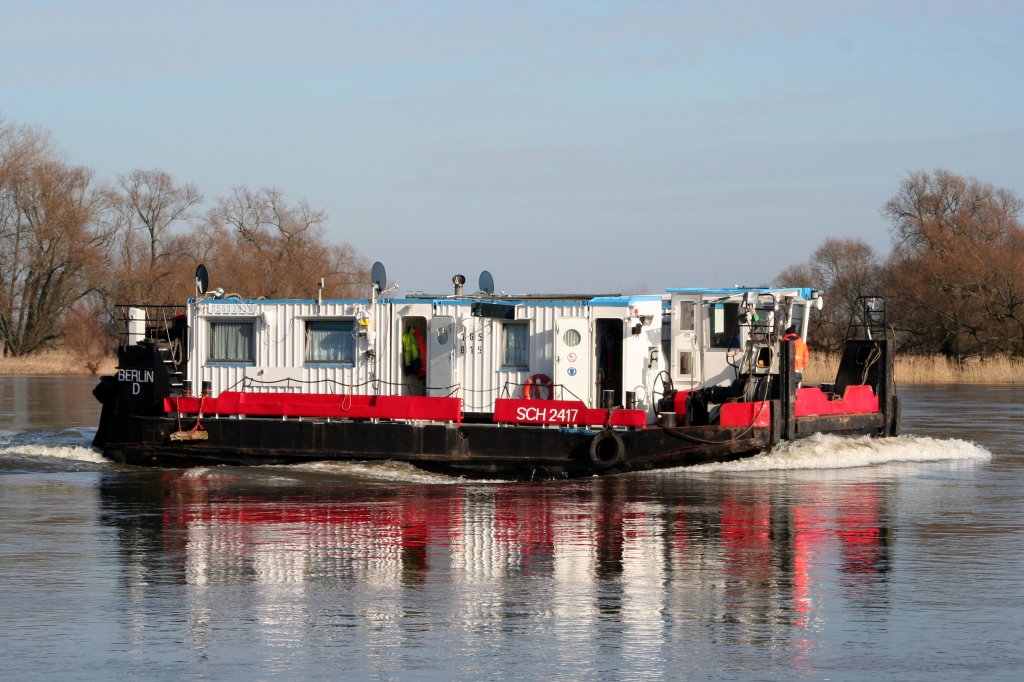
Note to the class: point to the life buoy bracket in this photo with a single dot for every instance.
(536, 384)
(607, 449)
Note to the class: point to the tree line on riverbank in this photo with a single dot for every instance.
(954, 279)
(71, 246)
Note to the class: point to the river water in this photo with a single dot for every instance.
(829, 559)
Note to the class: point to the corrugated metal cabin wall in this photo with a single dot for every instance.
(478, 363)
(291, 341)
(480, 351)
(387, 342)
(279, 349)
(222, 377)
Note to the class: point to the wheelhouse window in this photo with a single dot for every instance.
(686, 316)
(330, 342)
(725, 325)
(516, 345)
(232, 341)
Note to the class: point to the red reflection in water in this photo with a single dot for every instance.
(768, 551)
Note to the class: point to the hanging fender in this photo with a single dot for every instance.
(539, 387)
(607, 449)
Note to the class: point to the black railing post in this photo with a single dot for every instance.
(787, 390)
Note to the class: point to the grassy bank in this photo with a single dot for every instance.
(57, 362)
(912, 369)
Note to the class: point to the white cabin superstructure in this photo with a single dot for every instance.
(615, 350)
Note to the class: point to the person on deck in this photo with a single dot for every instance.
(412, 357)
(803, 354)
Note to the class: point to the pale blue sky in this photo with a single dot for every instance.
(564, 146)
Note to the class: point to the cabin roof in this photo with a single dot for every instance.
(805, 293)
(531, 300)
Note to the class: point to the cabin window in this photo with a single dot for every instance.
(232, 342)
(330, 341)
(686, 316)
(516, 340)
(725, 325)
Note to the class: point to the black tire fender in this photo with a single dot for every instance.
(607, 449)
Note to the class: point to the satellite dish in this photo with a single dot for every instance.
(486, 282)
(202, 279)
(379, 276)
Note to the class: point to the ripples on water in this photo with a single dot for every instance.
(826, 558)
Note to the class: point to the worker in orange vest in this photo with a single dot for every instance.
(803, 355)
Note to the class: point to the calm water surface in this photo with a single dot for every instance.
(827, 559)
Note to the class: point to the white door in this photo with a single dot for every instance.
(574, 355)
(687, 321)
(441, 357)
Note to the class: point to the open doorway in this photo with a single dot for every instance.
(609, 361)
(413, 355)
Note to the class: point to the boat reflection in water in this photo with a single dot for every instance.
(658, 557)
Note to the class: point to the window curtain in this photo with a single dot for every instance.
(330, 342)
(517, 346)
(231, 341)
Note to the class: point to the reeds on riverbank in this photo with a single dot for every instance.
(930, 369)
(910, 369)
(55, 362)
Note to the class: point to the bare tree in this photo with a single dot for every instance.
(956, 271)
(49, 249)
(144, 208)
(844, 269)
(263, 246)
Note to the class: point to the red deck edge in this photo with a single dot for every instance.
(321, 405)
(745, 414)
(812, 402)
(566, 412)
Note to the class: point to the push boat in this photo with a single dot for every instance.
(486, 385)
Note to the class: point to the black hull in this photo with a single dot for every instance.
(474, 450)
(136, 428)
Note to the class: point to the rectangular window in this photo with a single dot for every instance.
(725, 329)
(330, 341)
(232, 342)
(685, 360)
(686, 316)
(516, 340)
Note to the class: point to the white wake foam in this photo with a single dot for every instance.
(823, 451)
(76, 453)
